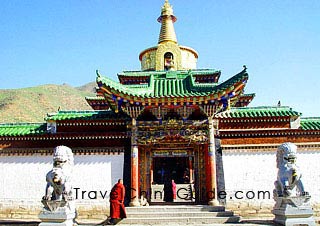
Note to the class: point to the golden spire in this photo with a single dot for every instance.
(167, 19)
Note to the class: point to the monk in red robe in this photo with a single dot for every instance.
(117, 209)
(174, 189)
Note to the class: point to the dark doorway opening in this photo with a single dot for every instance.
(175, 168)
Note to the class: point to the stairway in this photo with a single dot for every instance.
(178, 214)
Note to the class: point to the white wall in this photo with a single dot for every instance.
(256, 171)
(23, 178)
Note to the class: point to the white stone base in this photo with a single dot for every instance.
(292, 211)
(62, 216)
(65, 223)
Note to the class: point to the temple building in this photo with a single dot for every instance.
(167, 121)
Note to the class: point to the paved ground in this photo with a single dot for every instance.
(243, 223)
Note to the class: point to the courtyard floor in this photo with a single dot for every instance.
(243, 222)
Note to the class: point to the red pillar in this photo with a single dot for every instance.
(134, 166)
(211, 167)
(190, 169)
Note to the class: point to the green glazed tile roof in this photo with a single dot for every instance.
(85, 115)
(23, 129)
(252, 112)
(170, 84)
(310, 123)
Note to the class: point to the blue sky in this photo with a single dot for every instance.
(56, 42)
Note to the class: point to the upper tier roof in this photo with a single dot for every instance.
(170, 84)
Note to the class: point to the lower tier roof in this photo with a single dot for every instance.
(261, 111)
(34, 129)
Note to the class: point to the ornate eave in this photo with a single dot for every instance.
(245, 100)
(97, 103)
(169, 88)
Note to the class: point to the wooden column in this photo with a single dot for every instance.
(211, 164)
(190, 169)
(151, 172)
(134, 112)
(134, 166)
(211, 185)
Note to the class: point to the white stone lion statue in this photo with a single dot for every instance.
(59, 186)
(288, 181)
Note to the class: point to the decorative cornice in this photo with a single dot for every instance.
(79, 136)
(261, 119)
(265, 133)
(265, 148)
(88, 123)
(49, 151)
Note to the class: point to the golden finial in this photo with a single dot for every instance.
(167, 19)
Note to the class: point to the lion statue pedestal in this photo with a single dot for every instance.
(292, 201)
(59, 208)
(63, 216)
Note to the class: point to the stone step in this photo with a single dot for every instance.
(178, 214)
(179, 220)
(176, 208)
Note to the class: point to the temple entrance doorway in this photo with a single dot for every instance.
(178, 159)
(175, 168)
(172, 169)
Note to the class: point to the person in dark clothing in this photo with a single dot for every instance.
(168, 190)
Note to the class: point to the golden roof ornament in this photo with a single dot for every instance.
(167, 19)
(168, 55)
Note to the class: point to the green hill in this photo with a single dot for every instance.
(32, 104)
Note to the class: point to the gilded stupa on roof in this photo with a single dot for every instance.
(168, 54)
